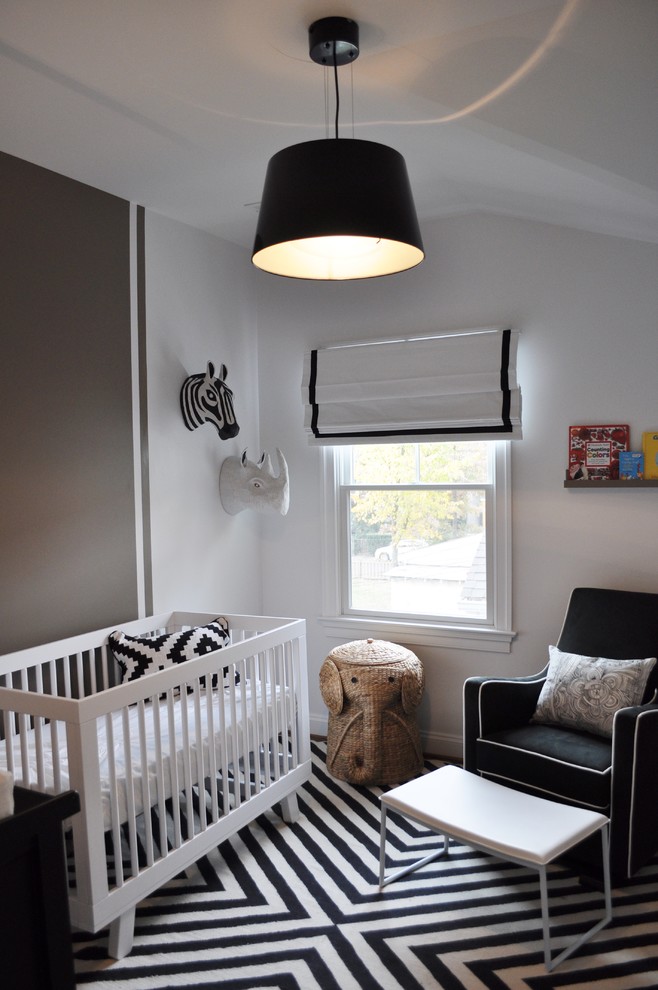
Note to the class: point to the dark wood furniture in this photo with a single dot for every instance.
(35, 931)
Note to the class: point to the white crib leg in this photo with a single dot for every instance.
(122, 930)
(290, 808)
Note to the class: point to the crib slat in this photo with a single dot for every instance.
(23, 729)
(267, 731)
(93, 687)
(199, 736)
(130, 793)
(256, 722)
(115, 819)
(282, 704)
(66, 664)
(235, 742)
(52, 676)
(38, 733)
(243, 735)
(105, 666)
(173, 770)
(210, 696)
(160, 781)
(187, 768)
(276, 763)
(286, 713)
(144, 773)
(79, 670)
(222, 700)
(292, 693)
(282, 709)
(8, 729)
(55, 729)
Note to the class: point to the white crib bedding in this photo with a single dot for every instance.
(128, 742)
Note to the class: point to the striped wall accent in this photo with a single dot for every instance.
(68, 546)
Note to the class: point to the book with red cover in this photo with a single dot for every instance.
(594, 451)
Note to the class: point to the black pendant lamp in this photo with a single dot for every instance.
(339, 208)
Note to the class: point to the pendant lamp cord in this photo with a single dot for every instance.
(337, 92)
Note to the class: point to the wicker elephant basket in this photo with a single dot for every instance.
(372, 689)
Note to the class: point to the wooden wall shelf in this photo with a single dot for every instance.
(617, 483)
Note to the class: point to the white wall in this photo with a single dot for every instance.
(200, 308)
(587, 306)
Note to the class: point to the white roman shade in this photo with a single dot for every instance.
(458, 386)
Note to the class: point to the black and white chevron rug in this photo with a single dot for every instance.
(297, 907)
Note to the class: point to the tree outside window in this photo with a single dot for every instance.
(418, 524)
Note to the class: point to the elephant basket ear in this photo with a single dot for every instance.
(413, 685)
(331, 687)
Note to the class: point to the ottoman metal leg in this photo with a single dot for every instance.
(383, 880)
(551, 963)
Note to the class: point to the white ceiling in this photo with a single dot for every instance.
(543, 109)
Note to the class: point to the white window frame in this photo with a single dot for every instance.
(494, 636)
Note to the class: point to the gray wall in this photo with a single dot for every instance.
(67, 533)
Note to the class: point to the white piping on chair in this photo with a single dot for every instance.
(544, 756)
(542, 790)
(633, 781)
(540, 676)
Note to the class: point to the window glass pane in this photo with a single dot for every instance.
(418, 552)
(427, 463)
(384, 464)
(452, 463)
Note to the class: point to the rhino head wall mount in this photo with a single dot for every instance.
(245, 484)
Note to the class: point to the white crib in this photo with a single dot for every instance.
(166, 766)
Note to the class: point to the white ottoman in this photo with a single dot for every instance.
(508, 824)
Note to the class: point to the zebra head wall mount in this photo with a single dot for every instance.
(206, 398)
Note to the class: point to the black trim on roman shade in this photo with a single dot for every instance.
(457, 386)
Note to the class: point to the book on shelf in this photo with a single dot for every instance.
(650, 451)
(631, 465)
(594, 451)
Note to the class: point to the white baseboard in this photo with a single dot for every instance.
(319, 724)
(441, 744)
(434, 743)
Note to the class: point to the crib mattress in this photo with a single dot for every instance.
(162, 746)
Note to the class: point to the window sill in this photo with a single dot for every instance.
(420, 634)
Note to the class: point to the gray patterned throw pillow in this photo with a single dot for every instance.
(586, 692)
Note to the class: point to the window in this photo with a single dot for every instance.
(418, 534)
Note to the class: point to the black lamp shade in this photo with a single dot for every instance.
(338, 208)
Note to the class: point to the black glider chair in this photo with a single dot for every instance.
(617, 776)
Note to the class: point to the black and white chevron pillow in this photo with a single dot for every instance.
(141, 655)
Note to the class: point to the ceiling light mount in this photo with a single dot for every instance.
(336, 209)
(333, 41)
